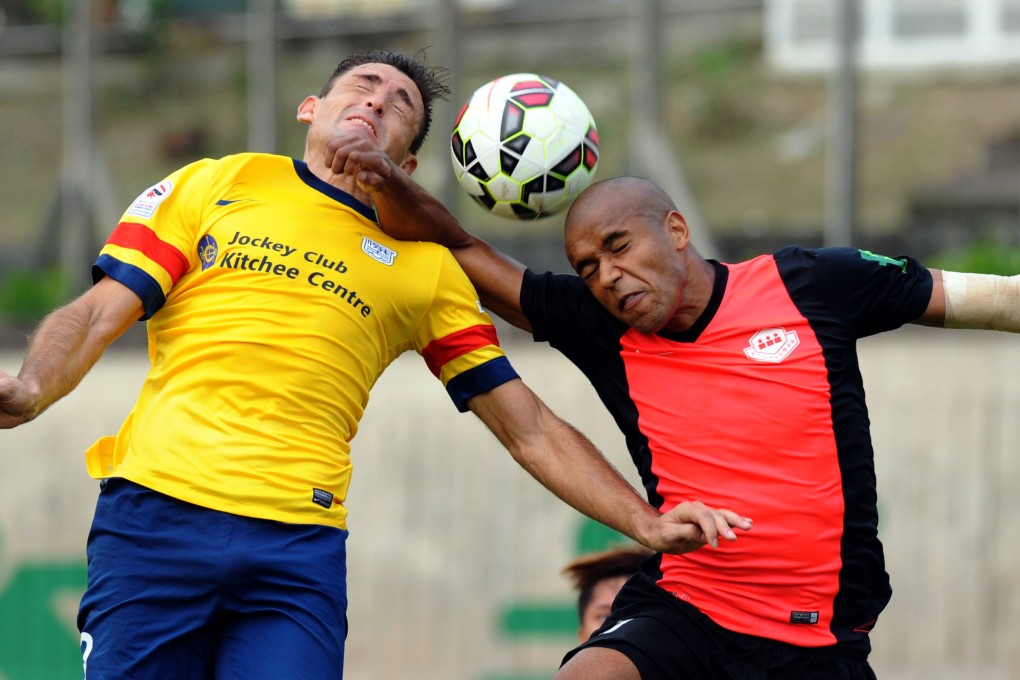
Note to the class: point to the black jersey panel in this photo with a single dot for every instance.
(564, 313)
(846, 294)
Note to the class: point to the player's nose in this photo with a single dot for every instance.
(609, 274)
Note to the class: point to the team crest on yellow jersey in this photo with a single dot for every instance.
(207, 251)
(378, 251)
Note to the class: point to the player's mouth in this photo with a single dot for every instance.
(629, 301)
(365, 124)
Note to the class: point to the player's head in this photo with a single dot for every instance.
(627, 240)
(429, 80)
(598, 578)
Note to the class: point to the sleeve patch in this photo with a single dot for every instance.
(479, 380)
(139, 237)
(147, 202)
(443, 350)
(143, 285)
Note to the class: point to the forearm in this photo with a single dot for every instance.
(607, 497)
(58, 357)
(566, 462)
(497, 277)
(407, 211)
(570, 466)
(70, 340)
(981, 301)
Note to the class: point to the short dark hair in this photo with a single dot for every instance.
(587, 571)
(430, 81)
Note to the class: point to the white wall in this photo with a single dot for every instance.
(445, 529)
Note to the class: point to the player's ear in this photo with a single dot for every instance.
(678, 229)
(306, 109)
(410, 163)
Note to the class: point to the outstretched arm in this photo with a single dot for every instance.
(64, 347)
(570, 466)
(407, 211)
(981, 301)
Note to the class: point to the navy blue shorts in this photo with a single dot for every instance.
(180, 591)
(669, 639)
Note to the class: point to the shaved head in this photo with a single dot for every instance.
(628, 242)
(612, 199)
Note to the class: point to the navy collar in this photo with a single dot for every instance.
(722, 275)
(339, 195)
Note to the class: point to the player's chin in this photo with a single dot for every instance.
(642, 322)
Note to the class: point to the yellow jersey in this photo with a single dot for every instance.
(274, 302)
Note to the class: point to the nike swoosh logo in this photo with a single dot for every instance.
(224, 201)
(618, 626)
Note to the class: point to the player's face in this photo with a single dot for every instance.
(597, 609)
(632, 265)
(372, 99)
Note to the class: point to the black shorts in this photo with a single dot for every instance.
(669, 639)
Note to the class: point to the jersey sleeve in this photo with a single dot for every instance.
(149, 249)
(564, 313)
(871, 293)
(458, 340)
(561, 310)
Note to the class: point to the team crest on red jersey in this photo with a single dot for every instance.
(772, 345)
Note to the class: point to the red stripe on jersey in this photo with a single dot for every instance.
(772, 421)
(143, 239)
(442, 351)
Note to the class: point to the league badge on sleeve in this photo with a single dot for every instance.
(147, 202)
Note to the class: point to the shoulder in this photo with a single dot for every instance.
(562, 310)
(547, 282)
(423, 264)
(843, 257)
(234, 164)
(830, 264)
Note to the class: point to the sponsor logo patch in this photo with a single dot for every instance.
(804, 617)
(378, 251)
(147, 202)
(208, 249)
(772, 345)
(323, 498)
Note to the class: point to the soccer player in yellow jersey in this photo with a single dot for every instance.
(273, 302)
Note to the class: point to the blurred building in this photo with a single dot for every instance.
(896, 34)
(979, 204)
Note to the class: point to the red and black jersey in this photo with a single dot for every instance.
(759, 407)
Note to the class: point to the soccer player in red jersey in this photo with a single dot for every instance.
(736, 385)
(273, 302)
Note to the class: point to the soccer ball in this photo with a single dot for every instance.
(524, 146)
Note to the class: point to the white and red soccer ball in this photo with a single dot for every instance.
(524, 146)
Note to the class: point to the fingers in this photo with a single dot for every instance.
(359, 157)
(721, 522)
(712, 524)
(13, 402)
(708, 523)
(738, 521)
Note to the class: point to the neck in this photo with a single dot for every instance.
(342, 181)
(694, 294)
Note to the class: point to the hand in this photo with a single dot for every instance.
(17, 402)
(692, 525)
(358, 156)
